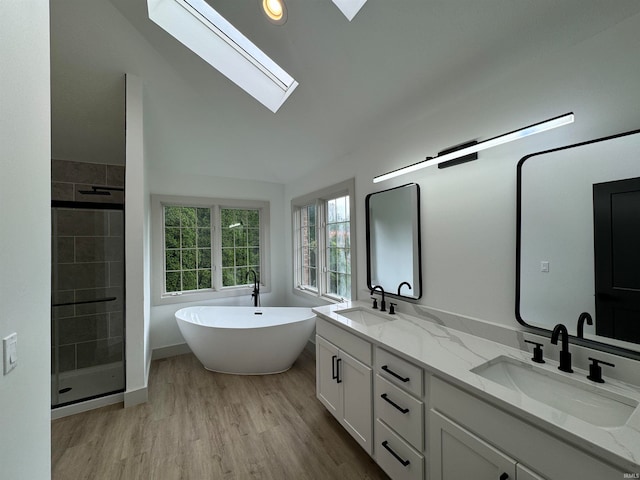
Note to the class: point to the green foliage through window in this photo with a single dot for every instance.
(240, 245)
(187, 244)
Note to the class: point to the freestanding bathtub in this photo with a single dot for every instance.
(246, 340)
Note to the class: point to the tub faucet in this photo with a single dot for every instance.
(402, 284)
(565, 355)
(255, 295)
(383, 307)
(581, 319)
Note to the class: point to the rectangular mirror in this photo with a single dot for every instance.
(578, 237)
(393, 241)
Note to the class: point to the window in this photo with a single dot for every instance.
(187, 248)
(338, 245)
(323, 225)
(240, 245)
(205, 248)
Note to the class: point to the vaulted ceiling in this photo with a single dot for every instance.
(355, 77)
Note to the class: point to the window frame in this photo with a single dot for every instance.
(320, 199)
(158, 202)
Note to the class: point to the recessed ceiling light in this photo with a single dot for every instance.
(275, 11)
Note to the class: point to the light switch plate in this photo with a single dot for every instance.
(10, 349)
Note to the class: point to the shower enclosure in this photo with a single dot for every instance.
(88, 297)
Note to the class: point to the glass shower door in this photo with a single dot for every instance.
(87, 301)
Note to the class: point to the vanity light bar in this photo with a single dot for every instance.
(492, 142)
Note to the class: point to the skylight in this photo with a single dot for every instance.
(205, 32)
(349, 7)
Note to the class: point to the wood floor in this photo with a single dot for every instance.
(203, 425)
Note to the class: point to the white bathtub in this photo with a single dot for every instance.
(237, 340)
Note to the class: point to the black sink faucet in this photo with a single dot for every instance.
(383, 307)
(402, 284)
(584, 316)
(255, 295)
(565, 355)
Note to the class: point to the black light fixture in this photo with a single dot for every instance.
(460, 152)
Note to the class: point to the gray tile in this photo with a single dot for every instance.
(62, 250)
(82, 275)
(116, 324)
(73, 223)
(116, 224)
(61, 191)
(99, 249)
(99, 352)
(78, 172)
(115, 175)
(116, 274)
(62, 296)
(66, 357)
(83, 329)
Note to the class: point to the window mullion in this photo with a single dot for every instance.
(216, 250)
(321, 208)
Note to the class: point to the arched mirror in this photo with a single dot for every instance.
(393, 241)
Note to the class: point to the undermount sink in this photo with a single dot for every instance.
(365, 317)
(590, 403)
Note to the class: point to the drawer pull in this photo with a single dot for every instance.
(391, 372)
(404, 463)
(398, 407)
(338, 363)
(333, 367)
(504, 476)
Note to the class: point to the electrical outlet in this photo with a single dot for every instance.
(10, 349)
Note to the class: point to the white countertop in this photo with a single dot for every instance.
(451, 354)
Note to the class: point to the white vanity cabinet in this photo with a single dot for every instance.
(471, 439)
(343, 380)
(399, 412)
(459, 454)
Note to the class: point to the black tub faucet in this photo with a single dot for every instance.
(584, 316)
(255, 295)
(565, 355)
(383, 307)
(402, 284)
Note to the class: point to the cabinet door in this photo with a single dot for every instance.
(458, 454)
(357, 404)
(327, 387)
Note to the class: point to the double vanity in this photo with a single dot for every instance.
(431, 402)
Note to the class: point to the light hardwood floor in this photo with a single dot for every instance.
(202, 425)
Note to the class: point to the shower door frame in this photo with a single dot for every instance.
(68, 204)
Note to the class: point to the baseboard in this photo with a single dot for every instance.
(86, 405)
(170, 351)
(310, 347)
(136, 397)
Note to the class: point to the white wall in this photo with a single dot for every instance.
(164, 329)
(25, 253)
(469, 211)
(137, 249)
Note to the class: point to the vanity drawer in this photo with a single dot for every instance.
(396, 457)
(400, 411)
(348, 342)
(399, 372)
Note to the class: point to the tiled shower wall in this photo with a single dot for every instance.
(88, 256)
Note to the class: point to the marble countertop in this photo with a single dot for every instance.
(451, 355)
